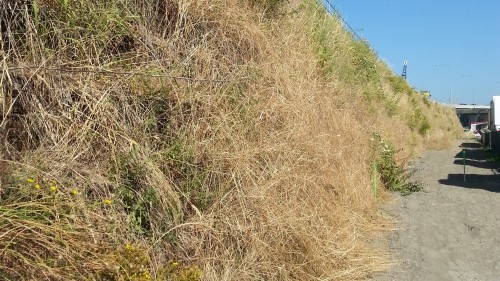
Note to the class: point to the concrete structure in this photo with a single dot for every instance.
(471, 113)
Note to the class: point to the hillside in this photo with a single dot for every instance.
(212, 139)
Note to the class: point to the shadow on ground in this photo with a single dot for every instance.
(474, 181)
(475, 156)
(473, 151)
(474, 145)
(483, 164)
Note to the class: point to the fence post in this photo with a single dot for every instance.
(463, 154)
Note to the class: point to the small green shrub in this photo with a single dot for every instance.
(324, 52)
(399, 85)
(364, 60)
(137, 198)
(392, 174)
(134, 263)
(188, 173)
(425, 126)
(419, 121)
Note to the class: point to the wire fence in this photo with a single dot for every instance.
(334, 11)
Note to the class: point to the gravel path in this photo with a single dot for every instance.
(451, 231)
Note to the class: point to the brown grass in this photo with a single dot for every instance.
(230, 137)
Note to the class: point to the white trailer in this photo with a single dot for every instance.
(494, 125)
(494, 118)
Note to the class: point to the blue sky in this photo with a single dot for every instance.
(463, 37)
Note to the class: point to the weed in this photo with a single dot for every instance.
(36, 14)
(188, 174)
(399, 85)
(365, 62)
(424, 126)
(419, 121)
(137, 198)
(324, 50)
(391, 106)
(133, 265)
(174, 271)
(393, 175)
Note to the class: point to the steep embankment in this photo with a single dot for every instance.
(174, 139)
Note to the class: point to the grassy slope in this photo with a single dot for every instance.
(203, 137)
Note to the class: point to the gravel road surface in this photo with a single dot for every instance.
(451, 231)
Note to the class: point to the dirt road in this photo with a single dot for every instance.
(451, 231)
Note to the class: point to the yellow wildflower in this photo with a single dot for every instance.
(175, 264)
(75, 192)
(53, 188)
(128, 247)
(30, 180)
(107, 201)
(37, 186)
(147, 276)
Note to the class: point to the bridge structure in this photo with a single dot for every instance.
(471, 113)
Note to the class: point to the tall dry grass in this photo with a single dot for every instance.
(173, 138)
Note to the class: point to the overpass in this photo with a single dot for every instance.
(470, 113)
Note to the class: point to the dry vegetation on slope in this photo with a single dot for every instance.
(182, 139)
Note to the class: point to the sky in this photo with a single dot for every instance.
(452, 46)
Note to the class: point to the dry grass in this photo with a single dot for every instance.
(230, 137)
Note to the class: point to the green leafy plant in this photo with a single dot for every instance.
(393, 175)
(424, 126)
(187, 173)
(137, 198)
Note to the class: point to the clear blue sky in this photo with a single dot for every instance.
(461, 36)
